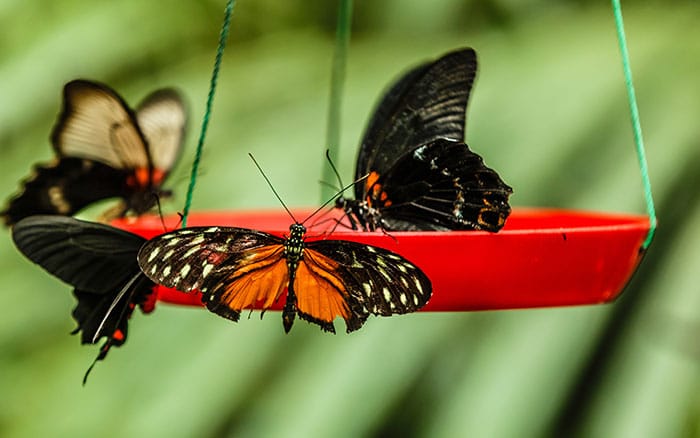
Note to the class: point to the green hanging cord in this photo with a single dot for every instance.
(636, 127)
(207, 113)
(342, 39)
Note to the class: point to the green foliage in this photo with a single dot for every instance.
(548, 111)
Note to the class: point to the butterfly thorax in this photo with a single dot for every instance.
(294, 246)
(360, 214)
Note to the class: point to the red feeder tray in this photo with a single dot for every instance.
(541, 258)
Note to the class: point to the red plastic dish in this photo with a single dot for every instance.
(541, 258)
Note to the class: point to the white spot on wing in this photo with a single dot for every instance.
(384, 274)
(185, 270)
(419, 287)
(197, 240)
(387, 295)
(207, 269)
(190, 252)
(166, 271)
(403, 299)
(153, 254)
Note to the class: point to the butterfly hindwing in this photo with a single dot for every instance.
(441, 185)
(99, 261)
(66, 187)
(376, 281)
(427, 103)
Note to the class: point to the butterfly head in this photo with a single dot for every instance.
(143, 201)
(296, 233)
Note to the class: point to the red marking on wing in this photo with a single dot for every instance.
(372, 178)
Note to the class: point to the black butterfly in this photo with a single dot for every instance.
(104, 149)
(238, 268)
(420, 175)
(99, 261)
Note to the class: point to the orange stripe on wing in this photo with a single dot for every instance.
(320, 293)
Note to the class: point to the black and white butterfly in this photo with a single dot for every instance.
(104, 149)
(99, 261)
(414, 170)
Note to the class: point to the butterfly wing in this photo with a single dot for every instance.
(353, 281)
(234, 268)
(65, 188)
(441, 185)
(95, 123)
(99, 261)
(162, 118)
(427, 103)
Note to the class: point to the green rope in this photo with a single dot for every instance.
(636, 127)
(207, 113)
(342, 39)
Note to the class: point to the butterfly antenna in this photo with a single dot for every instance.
(332, 198)
(335, 170)
(327, 184)
(273, 189)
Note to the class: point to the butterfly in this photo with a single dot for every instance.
(239, 268)
(104, 149)
(420, 175)
(99, 261)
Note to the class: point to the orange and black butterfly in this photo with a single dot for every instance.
(99, 261)
(238, 268)
(421, 174)
(104, 149)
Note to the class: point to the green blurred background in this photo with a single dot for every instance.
(548, 111)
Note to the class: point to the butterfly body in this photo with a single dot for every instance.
(414, 170)
(104, 149)
(238, 268)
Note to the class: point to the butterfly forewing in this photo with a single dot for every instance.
(427, 103)
(235, 268)
(89, 256)
(98, 125)
(162, 118)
